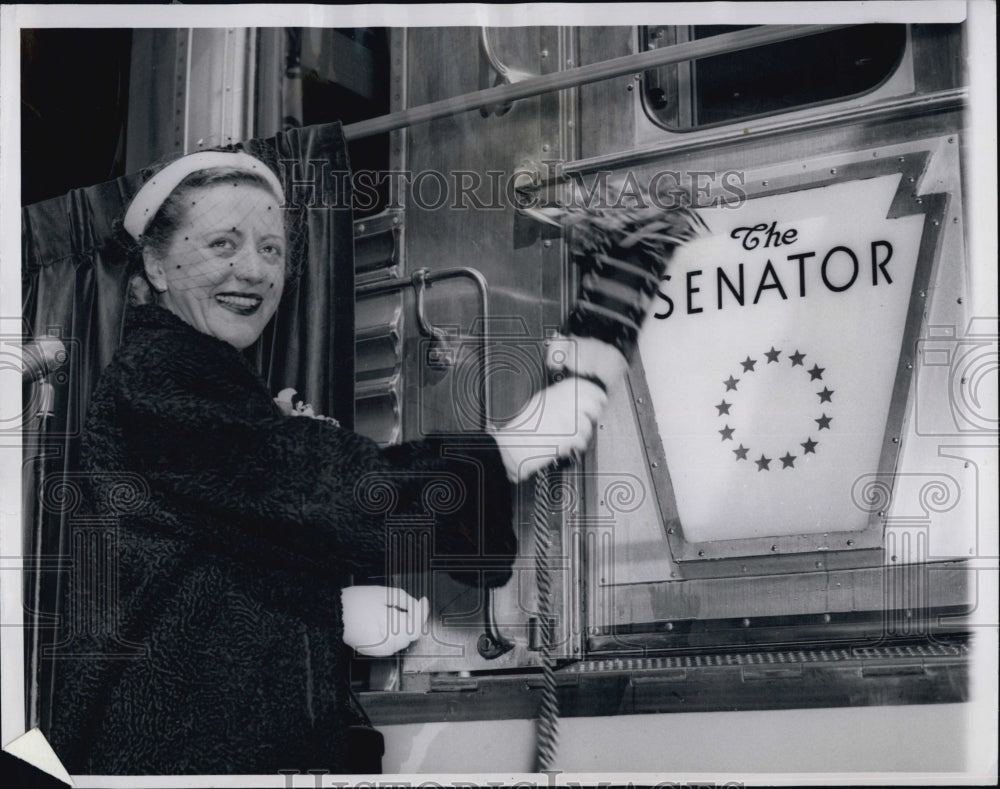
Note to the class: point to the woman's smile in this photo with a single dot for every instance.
(240, 303)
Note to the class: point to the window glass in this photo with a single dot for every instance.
(768, 79)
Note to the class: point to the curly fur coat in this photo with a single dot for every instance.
(227, 574)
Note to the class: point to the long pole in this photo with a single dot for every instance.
(582, 75)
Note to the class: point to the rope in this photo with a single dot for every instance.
(548, 716)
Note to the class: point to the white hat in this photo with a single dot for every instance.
(155, 191)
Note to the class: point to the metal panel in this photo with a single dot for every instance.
(157, 96)
(219, 87)
(906, 673)
(526, 286)
(380, 320)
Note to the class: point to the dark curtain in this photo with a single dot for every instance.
(73, 285)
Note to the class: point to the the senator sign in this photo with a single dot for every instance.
(771, 355)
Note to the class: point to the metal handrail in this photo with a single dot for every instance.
(582, 75)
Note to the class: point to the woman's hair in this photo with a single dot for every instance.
(172, 215)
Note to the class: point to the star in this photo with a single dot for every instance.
(816, 372)
(772, 355)
(741, 452)
(810, 446)
(824, 421)
(825, 395)
(788, 461)
(727, 433)
(731, 383)
(748, 364)
(723, 408)
(763, 464)
(797, 358)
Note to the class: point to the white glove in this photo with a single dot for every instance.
(587, 357)
(566, 412)
(381, 620)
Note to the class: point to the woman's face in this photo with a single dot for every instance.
(224, 269)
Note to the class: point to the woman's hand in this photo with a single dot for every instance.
(587, 357)
(381, 620)
(556, 423)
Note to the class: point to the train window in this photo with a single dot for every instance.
(766, 80)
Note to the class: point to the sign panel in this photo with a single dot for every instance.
(771, 358)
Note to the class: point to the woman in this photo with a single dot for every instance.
(229, 571)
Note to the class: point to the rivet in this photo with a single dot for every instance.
(671, 530)
(547, 244)
(923, 293)
(826, 618)
(669, 626)
(909, 366)
(833, 171)
(895, 439)
(545, 53)
(875, 154)
(774, 547)
(919, 201)
(881, 513)
(569, 62)
(902, 158)
(892, 558)
(570, 124)
(746, 623)
(639, 400)
(744, 568)
(395, 220)
(545, 147)
(959, 299)
(819, 565)
(629, 86)
(954, 221)
(951, 139)
(600, 427)
(701, 553)
(850, 542)
(654, 464)
(763, 183)
(361, 228)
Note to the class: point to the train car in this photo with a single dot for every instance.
(778, 555)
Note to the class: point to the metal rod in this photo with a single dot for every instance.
(594, 72)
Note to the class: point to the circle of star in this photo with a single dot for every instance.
(755, 365)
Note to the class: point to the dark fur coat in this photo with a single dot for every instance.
(224, 653)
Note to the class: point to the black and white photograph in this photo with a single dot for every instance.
(537, 394)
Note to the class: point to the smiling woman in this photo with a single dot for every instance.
(221, 645)
(215, 249)
(225, 274)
